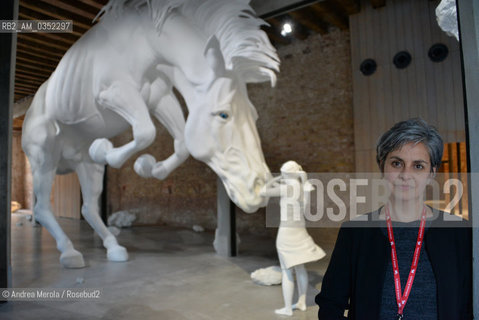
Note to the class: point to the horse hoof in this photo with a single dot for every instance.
(144, 165)
(160, 171)
(72, 259)
(99, 149)
(117, 254)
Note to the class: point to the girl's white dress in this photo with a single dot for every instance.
(293, 243)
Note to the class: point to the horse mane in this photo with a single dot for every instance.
(246, 48)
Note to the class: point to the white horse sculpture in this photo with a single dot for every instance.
(446, 17)
(123, 70)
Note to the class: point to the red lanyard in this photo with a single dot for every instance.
(402, 299)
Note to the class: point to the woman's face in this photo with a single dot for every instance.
(407, 171)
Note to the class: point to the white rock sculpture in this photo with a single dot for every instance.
(198, 228)
(121, 219)
(122, 72)
(446, 16)
(294, 245)
(267, 276)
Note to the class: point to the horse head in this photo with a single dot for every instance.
(221, 132)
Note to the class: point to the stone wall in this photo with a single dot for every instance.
(308, 118)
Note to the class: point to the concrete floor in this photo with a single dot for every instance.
(172, 273)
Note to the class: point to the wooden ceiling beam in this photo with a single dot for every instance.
(35, 56)
(20, 88)
(36, 81)
(56, 13)
(299, 30)
(36, 67)
(24, 92)
(307, 18)
(95, 4)
(61, 40)
(34, 49)
(66, 39)
(26, 85)
(33, 72)
(26, 79)
(79, 8)
(349, 6)
(47, 44)
(31, 91)
(267, 9)
(39, 62)
(378, 3)
(332, 14)
(26, 75)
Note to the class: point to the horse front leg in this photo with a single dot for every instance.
(169, 113)
(125, 100)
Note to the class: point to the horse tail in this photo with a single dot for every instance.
(37, 109)
(38, 127)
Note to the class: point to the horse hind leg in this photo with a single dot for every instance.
(42, 187)
(38, 142)
(91, 182)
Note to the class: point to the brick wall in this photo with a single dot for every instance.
(22, 182)
(18, 169)
(307, 118)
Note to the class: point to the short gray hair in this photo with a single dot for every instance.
(414, 130)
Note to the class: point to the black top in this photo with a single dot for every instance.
(422, 299)
(356, 273)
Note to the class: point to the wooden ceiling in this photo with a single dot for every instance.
(39, 53)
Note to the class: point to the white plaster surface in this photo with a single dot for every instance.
(267, 276)
(121, 219)
(198, 228)
(446, 16)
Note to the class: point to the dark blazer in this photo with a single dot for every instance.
(359, 260)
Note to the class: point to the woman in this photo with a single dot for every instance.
(294, 245)
(380, 269)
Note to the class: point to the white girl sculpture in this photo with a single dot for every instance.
(295, 246)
